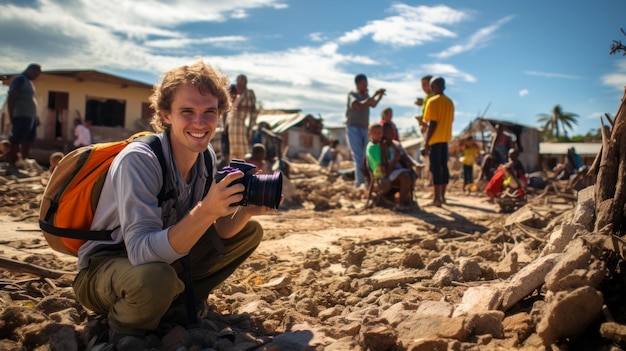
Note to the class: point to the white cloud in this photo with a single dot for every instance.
(239, 14)
(186, 42)
(617, 79)
(523, 92)
(412, 26)
(596, 115)
(449, 72)
(116, 34)
(157, 13)
(476, 41)
(138, 37)
(551, 75)
(317, 36)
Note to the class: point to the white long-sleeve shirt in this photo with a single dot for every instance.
(129, 206)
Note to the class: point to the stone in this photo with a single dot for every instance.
(569, 313)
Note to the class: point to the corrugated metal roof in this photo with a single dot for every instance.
(282, 122)
(561, 148)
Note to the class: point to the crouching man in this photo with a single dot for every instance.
(138, 277)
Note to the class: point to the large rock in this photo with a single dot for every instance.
(569, 313)
(527, 280)
(574, 269)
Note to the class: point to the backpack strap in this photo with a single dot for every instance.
(153, 141)
(155, 144)
(75, 233)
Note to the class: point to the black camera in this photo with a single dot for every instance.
(261, 189)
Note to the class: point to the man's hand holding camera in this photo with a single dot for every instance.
(224, 193)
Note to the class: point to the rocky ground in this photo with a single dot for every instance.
(333, 275)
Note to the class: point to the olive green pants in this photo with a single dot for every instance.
(134, 298)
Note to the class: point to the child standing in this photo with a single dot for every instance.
(385, 118)
(470, 153)
(373, 151)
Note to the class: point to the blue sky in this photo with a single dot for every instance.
(509, 60)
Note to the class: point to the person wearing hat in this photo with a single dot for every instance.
(439, 114)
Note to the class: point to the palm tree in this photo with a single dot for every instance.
(551, 122)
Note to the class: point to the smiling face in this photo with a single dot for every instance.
(193, 119)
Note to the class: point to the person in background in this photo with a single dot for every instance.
(82, 133)
(488, 166)
(224, 142)
(382, 163)
(421, 102)
(501, 143)
(329, 157)
(400, 168)
(241, 120)
(439, 114)
(22, 108)
(374, 154)
(197, 236)
(257, 158)
(54, 160)
(470, 153)
(511, 186)
(385, 118)
(516, 168)
(358, 107)
(262, 134)
(573, 162)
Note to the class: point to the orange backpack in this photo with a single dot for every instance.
(71, 196)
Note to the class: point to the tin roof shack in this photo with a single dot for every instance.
(300, 132)
(114, 106)
(552, 154)
(527, 139)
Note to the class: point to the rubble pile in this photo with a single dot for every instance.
(540, 277)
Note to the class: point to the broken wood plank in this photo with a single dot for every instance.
(23, 267)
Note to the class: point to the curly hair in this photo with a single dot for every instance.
(199, 74)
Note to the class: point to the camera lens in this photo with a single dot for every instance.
(264, 189)
(260, 189)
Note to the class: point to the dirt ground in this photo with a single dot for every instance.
(329, 275)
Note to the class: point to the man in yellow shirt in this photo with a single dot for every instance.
(439, 114)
